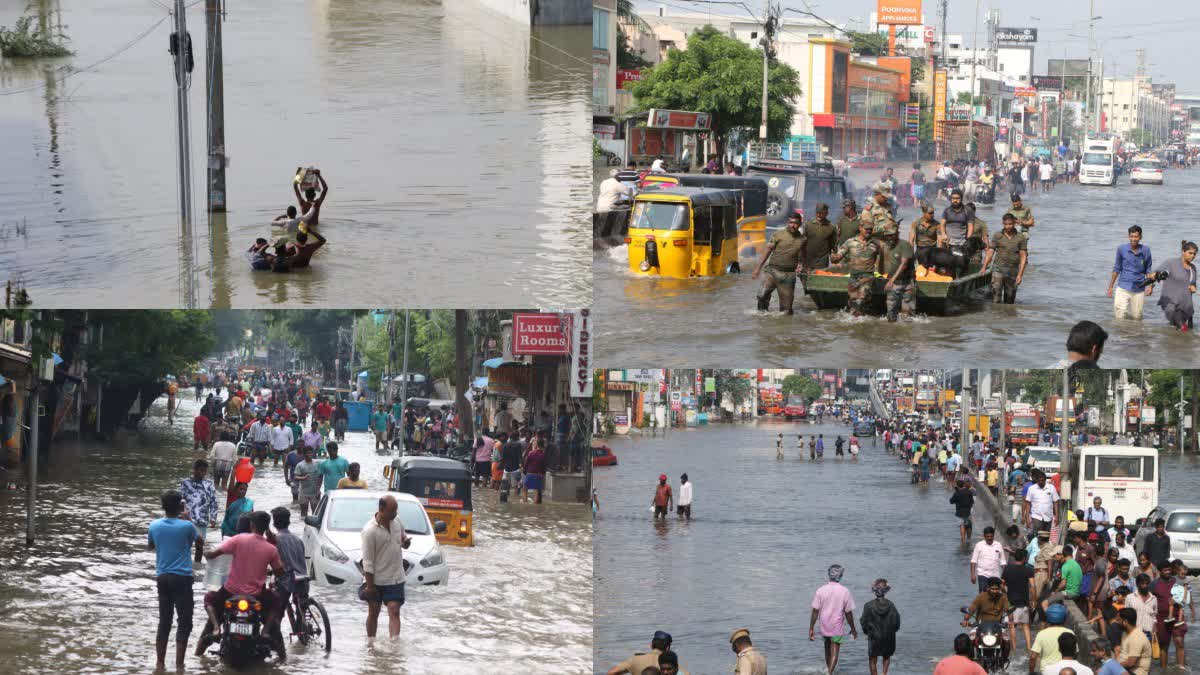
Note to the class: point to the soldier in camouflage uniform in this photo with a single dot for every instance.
(901, 287)
(863, 258)
(1010, 249)
(1022, 213)
(880, 213)
(783, 254)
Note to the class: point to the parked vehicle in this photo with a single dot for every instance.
(1183, 526)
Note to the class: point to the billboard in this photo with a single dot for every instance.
(939, 102)
(1047, 82)
(1067, 67)
(899, 12)
(678, 119)
(546, 334)
(645, 142)
(1016, 36)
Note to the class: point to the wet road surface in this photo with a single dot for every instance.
(84, 597)
(641, 320)
(455, 146)
(762, 536)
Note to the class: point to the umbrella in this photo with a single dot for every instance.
(493, 363)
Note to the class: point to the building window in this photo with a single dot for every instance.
(599, 84)
(599, 28)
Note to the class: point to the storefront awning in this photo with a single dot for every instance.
(498, 362)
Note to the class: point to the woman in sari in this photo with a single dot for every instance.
(1178, 287)
(238, 507)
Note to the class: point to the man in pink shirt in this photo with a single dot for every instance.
(960, 663)
(834, 606)
(252, 554)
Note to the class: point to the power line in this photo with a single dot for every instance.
(141, 36)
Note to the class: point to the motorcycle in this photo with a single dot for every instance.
(243, 632)
(989, 641)
(986, 194)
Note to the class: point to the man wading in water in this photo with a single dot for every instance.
(834, 607)
(783, 252)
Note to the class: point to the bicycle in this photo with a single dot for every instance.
(308, 618)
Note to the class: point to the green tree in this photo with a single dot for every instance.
(312, 333)
(627, 58)
(868, 44)
(1140, 137)
(739, 390)
(722, 76)
(804, 386)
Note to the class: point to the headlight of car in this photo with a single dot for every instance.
(330, 551)
(989, 640)
(432, 559)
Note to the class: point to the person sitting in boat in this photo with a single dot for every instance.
(293, 225)
(301, 251)
(310, 202)
(259, 254)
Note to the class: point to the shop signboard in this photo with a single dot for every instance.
(626, 78)
(939, 102)
(642, 375)
(580, 353)
(541, 334)
(710, 384)
(1047, 82)
(1016, 36)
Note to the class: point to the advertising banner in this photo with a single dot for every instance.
(678, 119)
(1047, 82)
(1016, 36)
(899, 12)
(581, 353)
(626, 78)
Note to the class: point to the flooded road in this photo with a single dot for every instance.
(762, 536)
(455, 146)
(1070, 260)
(520, 600)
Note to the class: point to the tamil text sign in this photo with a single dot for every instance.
(541, 334)
(899, 12)
(1016, 36)
(678, 119)
(939, 102)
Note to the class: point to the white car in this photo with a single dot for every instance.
(1045, 458)
(1146, 171)
(1183, 527)
(333, 538)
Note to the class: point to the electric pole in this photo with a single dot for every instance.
(181, 50)
(1095, 121)
(1066, 466)
(770, 25)
(215, 15)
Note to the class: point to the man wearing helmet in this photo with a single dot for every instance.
(1045, 646)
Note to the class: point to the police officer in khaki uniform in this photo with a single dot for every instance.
(820, 239)
(749, 660)
(783, 254)
(635, 664)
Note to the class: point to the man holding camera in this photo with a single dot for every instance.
(1129, 272)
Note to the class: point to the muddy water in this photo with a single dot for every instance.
(455, 146)
(84, 596)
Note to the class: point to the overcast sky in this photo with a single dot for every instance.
(1167, 29)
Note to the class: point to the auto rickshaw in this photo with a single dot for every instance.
(444, 488)
(752, 206)
(684, 232)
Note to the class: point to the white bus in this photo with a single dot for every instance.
(1126, 477)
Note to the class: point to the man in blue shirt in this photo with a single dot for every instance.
(1129, 275)
(333, 469)
(171, 540)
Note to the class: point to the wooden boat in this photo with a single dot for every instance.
(935, 293)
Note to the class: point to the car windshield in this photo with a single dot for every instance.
(1042, 456)
(796, 401)
(1184, 521)
(1097, 158)
(351, 515)
(823, 190)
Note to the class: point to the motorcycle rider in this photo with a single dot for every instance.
(990, 606)
(252, 555)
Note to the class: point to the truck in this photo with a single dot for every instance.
(906, 385)
(927, 399)
(770, 399)
(1097, 166)
(1021, 424)
(904, 403)
(979, 424)
(1054, 409)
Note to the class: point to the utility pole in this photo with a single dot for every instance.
(35, 426)
(404, 383)
(1181, 407)
(1091, 49)
(215, 15)
(1066, 466)
(1141, 403)
(181, 49)
(770, 21)
(965, 411)
(1003, 411)
(465, 421)
(945, 10)
(974, 60)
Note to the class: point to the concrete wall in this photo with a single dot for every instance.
(543, 12)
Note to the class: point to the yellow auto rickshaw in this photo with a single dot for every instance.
(684, 232)
(444, 487)
(752, 206)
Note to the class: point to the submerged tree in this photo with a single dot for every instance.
(33, 36)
